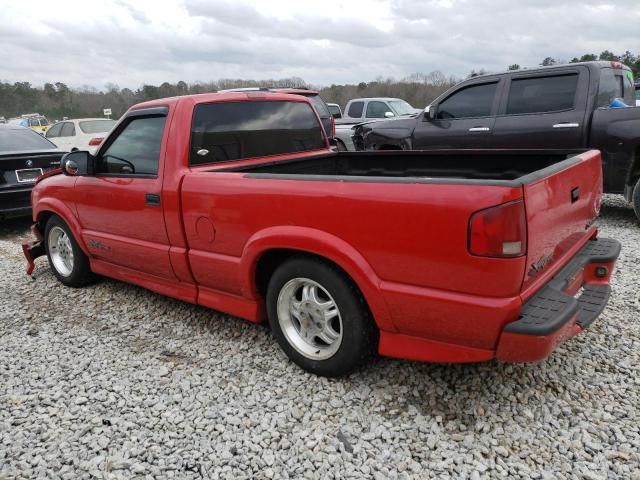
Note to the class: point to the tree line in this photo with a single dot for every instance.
(57, 100)
(628, 58)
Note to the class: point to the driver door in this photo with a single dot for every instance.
(465, 119)
(120, 207)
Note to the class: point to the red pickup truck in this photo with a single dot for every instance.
(236, 202)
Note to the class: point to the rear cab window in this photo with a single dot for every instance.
(320, 106)
(542, 94)
(615, 83)
(227, 131)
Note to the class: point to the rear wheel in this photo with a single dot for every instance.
(635, 199)
(319, 318)
(68, 262)
(341, 146)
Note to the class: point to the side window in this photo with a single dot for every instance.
(34, 122)
(68, 129)
(377, 109)
(136, 149)
(54, 131)
(473, 101)
(355, 109)
(611, 86)
(542, 94)
(225, 131)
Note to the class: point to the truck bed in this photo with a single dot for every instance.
(484, 166)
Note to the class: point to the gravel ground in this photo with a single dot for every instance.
(113, 381)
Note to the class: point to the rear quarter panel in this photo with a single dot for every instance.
(409, 233)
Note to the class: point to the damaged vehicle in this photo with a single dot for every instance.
(236, 202)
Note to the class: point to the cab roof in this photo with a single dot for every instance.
(227, 96)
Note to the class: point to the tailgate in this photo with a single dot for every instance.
(562, 202)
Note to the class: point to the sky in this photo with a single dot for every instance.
(134, 42)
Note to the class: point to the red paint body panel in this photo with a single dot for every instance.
(555, 223)
(404, 244)
(514, 347)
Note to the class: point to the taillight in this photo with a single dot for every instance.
(95, 141)
(499, 231)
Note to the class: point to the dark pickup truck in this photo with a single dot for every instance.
(564, 107)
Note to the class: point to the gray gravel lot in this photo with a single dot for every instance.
(113, 381)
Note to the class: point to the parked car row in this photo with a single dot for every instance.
(359, 110)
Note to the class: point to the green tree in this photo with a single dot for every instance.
(547, 62)
(609, 56)
(514, 66)
(589, 57)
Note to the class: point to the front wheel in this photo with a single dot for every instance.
(68, 262)
(319, 317)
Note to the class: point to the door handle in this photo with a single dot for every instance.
(566, 125)
(479, 129)
(152, 199)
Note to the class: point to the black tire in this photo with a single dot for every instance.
(635, 199)
(358, 332)
(340, 146)
(80, 274)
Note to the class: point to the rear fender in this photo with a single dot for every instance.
(323, 245)
(57, 207)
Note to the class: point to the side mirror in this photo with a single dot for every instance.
(77, 163)
(430, 112)
(337, 115)
(388, 115)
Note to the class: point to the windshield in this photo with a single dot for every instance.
(19, 140)
(401, 107)
(96, 126)
(321, 107)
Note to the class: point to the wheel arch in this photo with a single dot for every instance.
(268, 249)
(46, 208)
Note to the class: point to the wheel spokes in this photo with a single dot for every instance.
(328, 335)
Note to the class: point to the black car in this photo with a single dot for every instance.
(24, 156)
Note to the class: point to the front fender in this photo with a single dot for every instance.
(375, 138)
(324, 245)
(44, 205)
